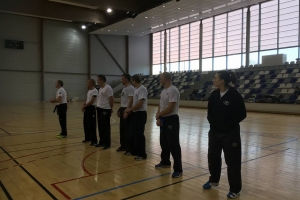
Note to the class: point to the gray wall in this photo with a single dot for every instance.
(140, 55)
(20, 70)
(26, 74)
(102, 62)
(58, 50)
(65, 58)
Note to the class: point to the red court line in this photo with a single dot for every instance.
(38, 153)
(67, 197)
(61, 192)
(4, 169)
(82, 162)
(73, 179)
(31, 161)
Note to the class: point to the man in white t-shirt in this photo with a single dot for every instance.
(89, 110)
(105, 104)
(61, 108)
(139, 118)
(168, 120)
(125, 118)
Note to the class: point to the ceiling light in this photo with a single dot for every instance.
(178, 8)
(108, 30)
(164, 6)
(195, 17)
(83, 27)
(131, 14)
(132, 24)
(109, 10)
(115, 30)
(127, 31)
(75, 4)
(192, 10)
(146, 17)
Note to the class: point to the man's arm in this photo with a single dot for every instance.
(56, 100)
(167, 110)
(91, 102)
(138, 105)
(111, 102)
(130, 101)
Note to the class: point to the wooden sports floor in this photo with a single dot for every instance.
(34, 164)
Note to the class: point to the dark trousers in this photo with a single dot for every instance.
(104, 126)
(125, 137)
(169, 142)
(230, 143)
(62, 116)
(89, 124)
(139, 120)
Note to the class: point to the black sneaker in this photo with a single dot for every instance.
(160, 165)
(176, 174)
(120, 149)
(138, 158)
(99, 145)
(127, 153)
(86, 141)
(93, 144)
(104, 148)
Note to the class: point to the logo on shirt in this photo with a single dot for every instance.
(170, 127)
(60, 93)
(234, 144)
(226, 103)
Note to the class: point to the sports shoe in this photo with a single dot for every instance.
(104, 148)
(208, 185)
(99, 145)
(128, 154)
(58, 134)
(93, 144)
(85, 141)
(232, 195)
(138, 158)
(176, 174)
(61, 136)
(120, 149)
(160, 165)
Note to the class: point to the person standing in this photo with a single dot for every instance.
(105, 104)
(139, 118)
(168, 120)
(61, 108)
(89, 110)
(226, 109)
(125, 119)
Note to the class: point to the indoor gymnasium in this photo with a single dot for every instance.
(149, 99)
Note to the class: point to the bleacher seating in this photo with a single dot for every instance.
(254, 82)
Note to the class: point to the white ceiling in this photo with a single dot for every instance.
(173, 14)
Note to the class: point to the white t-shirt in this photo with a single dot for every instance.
(61, 92)
(223, 93)
(170, 94)
(140, 93)
(126, 92)
(103, 97)
(90, 94)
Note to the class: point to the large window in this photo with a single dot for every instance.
(274, 29)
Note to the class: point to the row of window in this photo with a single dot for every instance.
(274, 26)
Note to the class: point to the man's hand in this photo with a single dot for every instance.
(157, 116)
(128, 110)
(158, 122)
(52, 100)
(83, 108)
(125, 115)
(112, 110)
(118, 114)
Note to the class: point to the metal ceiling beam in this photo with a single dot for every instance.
(49, 9)
(113, 4)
